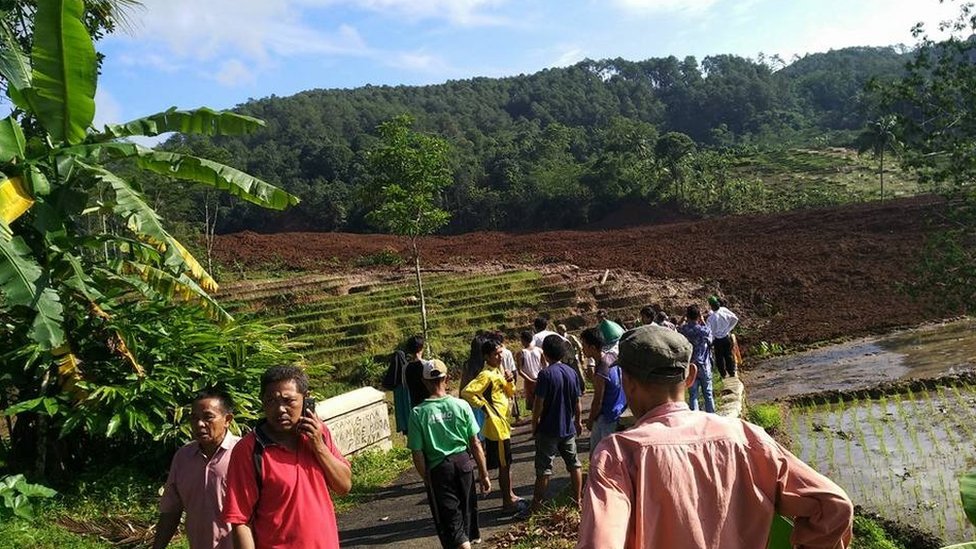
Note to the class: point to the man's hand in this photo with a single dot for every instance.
(311, 426)
(579, 427)
(588, 423)
(485, 483)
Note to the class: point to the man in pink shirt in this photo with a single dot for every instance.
(197, 477)
(684, 479)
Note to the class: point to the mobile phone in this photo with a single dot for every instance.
(308, 406)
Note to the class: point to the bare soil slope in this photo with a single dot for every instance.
(802, 276)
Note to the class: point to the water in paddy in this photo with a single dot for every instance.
(929, 351)
(900, 456)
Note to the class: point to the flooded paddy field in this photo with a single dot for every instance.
(899, 454)
(891, 419)
(926, 352)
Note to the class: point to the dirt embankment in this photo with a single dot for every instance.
(802, 276)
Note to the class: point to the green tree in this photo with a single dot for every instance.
(671, 150)
(877, 138)
(63, 267)
(410, 171)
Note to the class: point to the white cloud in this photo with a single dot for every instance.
(107, 109)
(234, 73)
(665, 6)
(570, 56)
(877, 23)
(459, 12)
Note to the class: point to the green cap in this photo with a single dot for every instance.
(611, 330)
(713, 300)
(655, 354)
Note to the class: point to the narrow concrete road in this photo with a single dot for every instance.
(399, 516)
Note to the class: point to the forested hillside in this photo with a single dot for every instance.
(558, 148)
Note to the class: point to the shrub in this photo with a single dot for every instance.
(16, 493)
(767, 416)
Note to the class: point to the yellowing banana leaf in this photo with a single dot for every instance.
(145, 223)
(14, 199)
(117, 345)
(182, 288)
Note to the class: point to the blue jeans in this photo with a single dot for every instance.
(600, 430)
(703, 383)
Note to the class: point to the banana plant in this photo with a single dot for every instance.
(74, 236)
(967, 490)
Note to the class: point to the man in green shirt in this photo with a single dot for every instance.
(441, 432)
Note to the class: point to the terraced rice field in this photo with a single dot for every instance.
(347, 330)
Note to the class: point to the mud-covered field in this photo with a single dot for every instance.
(800, 277)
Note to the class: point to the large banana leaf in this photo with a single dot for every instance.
(165, 285)
(64, 70)
(203, 121)
(144, 222)
(23, 283)
(967, 487)
(12, 141)
(13, 65)
(219, 176)
(189, 168)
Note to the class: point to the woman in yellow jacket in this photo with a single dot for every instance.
(490, 391)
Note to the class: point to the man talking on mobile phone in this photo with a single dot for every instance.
(281, 474)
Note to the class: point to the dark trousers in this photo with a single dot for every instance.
(723, 356)
(453, 500)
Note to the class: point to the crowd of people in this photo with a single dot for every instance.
(677, 478)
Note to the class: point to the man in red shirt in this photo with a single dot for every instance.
(279, 498)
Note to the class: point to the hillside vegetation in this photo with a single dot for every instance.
(559, 148)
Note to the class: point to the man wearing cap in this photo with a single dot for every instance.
(682, 479)
(721, 323)
(442, 430)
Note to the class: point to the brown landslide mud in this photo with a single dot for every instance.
(802, 277)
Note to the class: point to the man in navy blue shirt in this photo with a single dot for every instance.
(556, 419)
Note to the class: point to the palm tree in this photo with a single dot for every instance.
(877, 137)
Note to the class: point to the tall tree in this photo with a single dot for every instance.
(671, 149)
(877, 138)
(410, 171)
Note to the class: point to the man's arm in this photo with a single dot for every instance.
(540, 403)
(420, 464)
(338, 474)
(579, 416)
(242, 536)
(479, 458)
(598, 385)
(165, 529)
(823, 514)
(606, 506)
(473, 391)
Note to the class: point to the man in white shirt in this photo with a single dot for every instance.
(542, 331)
(529, 361)
(721, 323)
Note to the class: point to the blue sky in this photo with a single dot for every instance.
(220, 53)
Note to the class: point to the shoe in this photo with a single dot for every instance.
(524, 514)
(476, 541)
(517, 507)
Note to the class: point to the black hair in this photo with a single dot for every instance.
(647, 311)
(540, 323)
(476, 359)
(489, 346)
(498, 336)
(593, 336)
(555, 348)
(693, 312)
(226, 402)
(275, 374)
(660, 317)
(525, 336)
(414, 344)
